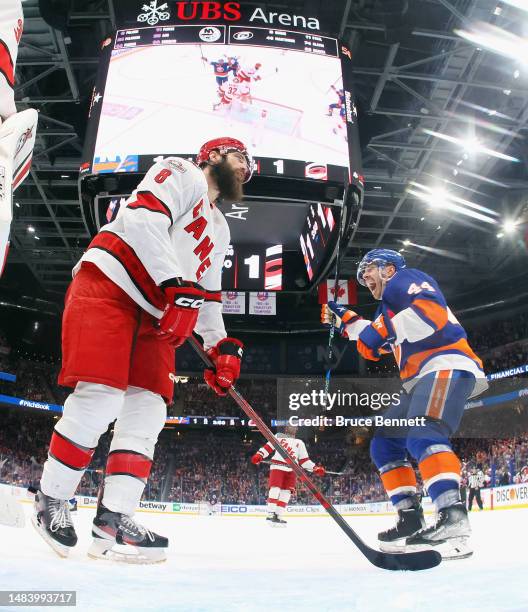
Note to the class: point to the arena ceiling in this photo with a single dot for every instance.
(413, 73)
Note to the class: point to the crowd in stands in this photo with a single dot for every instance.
(192, 465)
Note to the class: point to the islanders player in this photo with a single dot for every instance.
(439, 372)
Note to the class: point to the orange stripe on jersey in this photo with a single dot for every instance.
(379, 325)
(437, 399)
(414, 363)
(433, 311)
(397, 354)
(399, 477)
(439, 463)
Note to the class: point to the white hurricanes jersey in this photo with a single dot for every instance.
(11, 25)
(295, 448)
(167, 228)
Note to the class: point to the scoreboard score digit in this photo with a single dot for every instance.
(251, 268)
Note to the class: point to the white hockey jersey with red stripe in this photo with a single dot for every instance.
(11, 25)
(167, 228)
(295, 448)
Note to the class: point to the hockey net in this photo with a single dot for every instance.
(279, 118)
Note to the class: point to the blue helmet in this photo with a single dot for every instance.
(382, 258)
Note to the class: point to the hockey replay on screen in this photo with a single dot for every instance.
(169, 82)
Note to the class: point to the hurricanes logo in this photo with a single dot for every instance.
(23, 139)
(153, 13)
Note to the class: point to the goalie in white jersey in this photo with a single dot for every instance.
(282, 477)
(17, 130)
(148, 279)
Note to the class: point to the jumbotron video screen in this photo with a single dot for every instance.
(166, 90)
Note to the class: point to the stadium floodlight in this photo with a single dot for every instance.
(520, 4)
(496, 40)
(480, 148)
(440, 199)
(472, 145)
(509, 226)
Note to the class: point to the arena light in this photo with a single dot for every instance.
(480, 148)
(509, 226)
(406, 242)
(496, 40)
(520, 4)
(440, 252)
(472, 145)
(439, 198)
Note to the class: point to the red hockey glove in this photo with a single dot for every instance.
(256, 459)
(227, 357)
(184, 300)
(319, 470)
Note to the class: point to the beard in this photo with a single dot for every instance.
(229, 187)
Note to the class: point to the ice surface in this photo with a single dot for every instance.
(242, 564)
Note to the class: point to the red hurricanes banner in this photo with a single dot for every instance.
(346, 293)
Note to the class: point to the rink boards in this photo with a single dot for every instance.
(497, 498)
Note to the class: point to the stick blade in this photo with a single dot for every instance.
(412, 562)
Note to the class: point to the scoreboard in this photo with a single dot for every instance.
(159, 93)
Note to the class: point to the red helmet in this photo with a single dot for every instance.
(225, 145)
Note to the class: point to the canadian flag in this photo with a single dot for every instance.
(346, 292)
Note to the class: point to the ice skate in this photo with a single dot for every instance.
(53, 521)
(449, 535)
(275, 520)
(117, 537)
(410, 521)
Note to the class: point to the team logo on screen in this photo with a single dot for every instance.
(209, 34)
(314, 170)
(127, 163)
(153, 13)
(243, 35)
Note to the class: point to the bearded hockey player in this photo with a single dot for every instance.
(17, 130)
(148, 279)
(282, 477)
(439, 372)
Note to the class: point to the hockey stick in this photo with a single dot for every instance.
(326, 471)
(331, 333)
(390, 561)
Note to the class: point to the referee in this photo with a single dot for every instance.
(475, 483)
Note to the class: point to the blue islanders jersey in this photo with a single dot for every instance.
(426, 336)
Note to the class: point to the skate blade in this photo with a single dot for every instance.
(108, 550)
(396, 546)
(11, 512)
(451, 549)
(60, 549)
